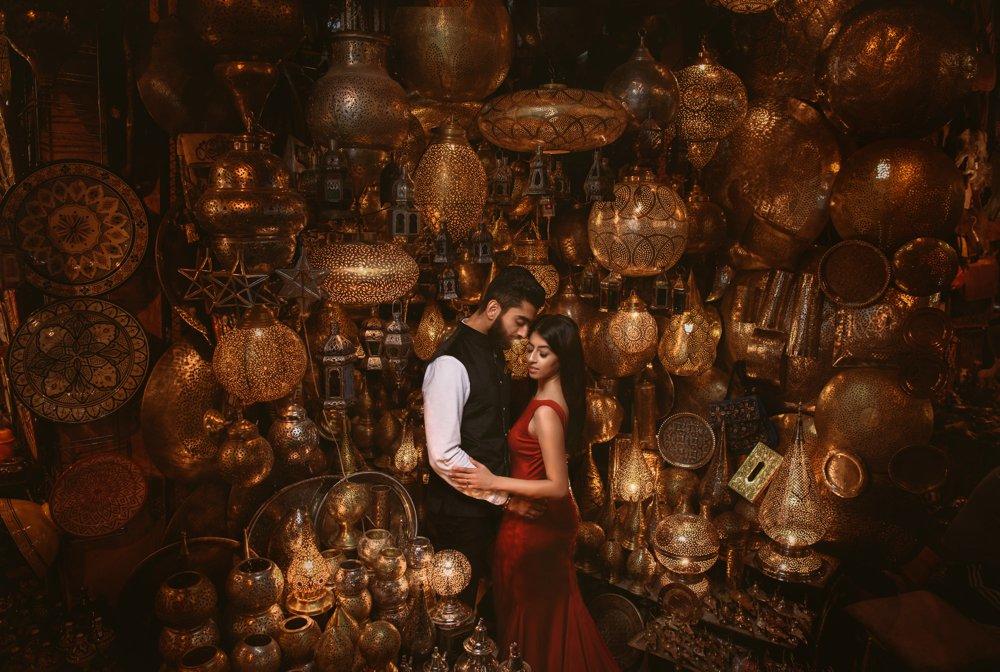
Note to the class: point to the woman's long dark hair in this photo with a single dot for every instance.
(563, 337)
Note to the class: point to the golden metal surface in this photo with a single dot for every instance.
(450, 183)
(755, 473)
(364, 274)
(618, 344)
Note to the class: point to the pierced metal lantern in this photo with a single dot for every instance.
(448, 284)
(538, 175)
(443, 251)
(450, 183)
(610, 290)
(595, 182)
(398, 342)
(406, 218)
(339, 355)
(333, 185)
(559, 181)
(373, 341)
(590, 281)
(482, 245)
(501, 183)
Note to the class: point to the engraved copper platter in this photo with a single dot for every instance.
(98, 494)
(618, 621)
(78, 360)
(927, 329)
(853, 273)
(81, 228)
(686, 440)
(924, 266)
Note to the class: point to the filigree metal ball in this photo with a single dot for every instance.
(363, 274)
(450, 183)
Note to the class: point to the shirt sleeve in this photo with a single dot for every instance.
(446, 389)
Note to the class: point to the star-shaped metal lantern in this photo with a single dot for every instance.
(203, 286)
(301, 283)
(236, 288)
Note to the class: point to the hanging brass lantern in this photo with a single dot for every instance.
(249, 209)
(534, 255)
(893, 191)
(431, 331)
(373, 340)
(620, 343)
(647, 88)
(260, 359)
(691, 338)
(453, 51)
(362, 274)
(713, 100)
(604, 416)
(337, 383)
(450, 183)
(793, 515)
(569, 233)
(554, 118)
(643, 231)
(356, 103)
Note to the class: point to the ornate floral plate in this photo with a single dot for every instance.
(98, 494)
(81, 228)
(686, 440)
(77, 360)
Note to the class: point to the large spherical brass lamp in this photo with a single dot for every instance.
(450, 183)
(260, 359)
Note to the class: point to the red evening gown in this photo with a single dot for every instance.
(537, 598)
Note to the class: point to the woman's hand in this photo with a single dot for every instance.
(477, 477)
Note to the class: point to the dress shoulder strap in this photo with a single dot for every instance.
(553, 404)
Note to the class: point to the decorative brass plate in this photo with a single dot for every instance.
(844, 474)
(98, 494)
(81, 228)
(854, 273)
(618, 621)
(686, 440)
(78, 360)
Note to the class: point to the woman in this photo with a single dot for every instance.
(534, 583)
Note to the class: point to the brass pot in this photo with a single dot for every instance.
(647, 89)
(379, 644)
(334, 652)
(359, 606)
(346, 505)
(643, 230)
(245, 458)
(553, 117)
(209, 658)
(260, 359)
(870, 84)
(180, 389)
(362, 274)
(351, 578)
(185, 600)
(254, 585)
(263, 29)
(390, 564)
(389, 593)
(298, 638)
(892, 191)
(453, 51)
(256, 653)
(864, 410)
(249, 209)
(294, 438)
(356, 103)
(267, 621)
(173, 643)
(371, 544)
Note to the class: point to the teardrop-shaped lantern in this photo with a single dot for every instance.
(450, 183)
(690, 339)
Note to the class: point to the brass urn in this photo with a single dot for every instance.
(249, 209)
(356, 103)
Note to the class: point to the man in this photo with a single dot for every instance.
(467, 415)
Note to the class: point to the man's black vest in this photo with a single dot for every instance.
(485, 419)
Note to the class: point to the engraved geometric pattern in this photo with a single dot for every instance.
(98, 495)
(78, 360)
(686, 440)
(82, 229)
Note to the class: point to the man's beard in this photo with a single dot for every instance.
(497, 335)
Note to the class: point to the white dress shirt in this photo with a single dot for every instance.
(446, 389)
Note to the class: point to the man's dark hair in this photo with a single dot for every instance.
(511, 286)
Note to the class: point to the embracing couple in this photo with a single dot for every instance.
(499, 491)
